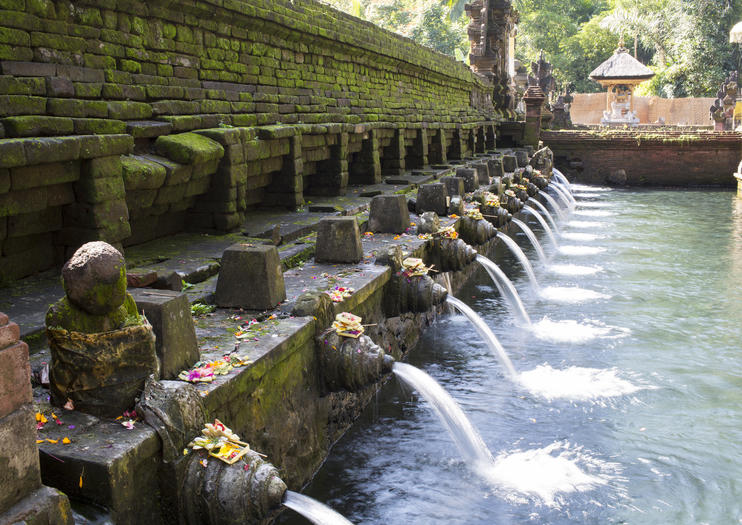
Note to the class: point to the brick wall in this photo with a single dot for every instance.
(666, 158)
(99, 101)
(19, 457)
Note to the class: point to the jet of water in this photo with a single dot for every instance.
(481, 327)
(313, 510)
(521, 257)
(531, 237)
(509, 292)
(561, 187)
(558, 175)
(542, 222)
(466, 437)
(554, 205)
(546, 213)
(562, 195)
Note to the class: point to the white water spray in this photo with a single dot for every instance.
(546, 213)
(510, 243)
(313, 510)
(542, 222)
(505, 287)
(481, 327)
(531, 237)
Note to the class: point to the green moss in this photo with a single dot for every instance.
(130, 66)
(64, 314)
(188, 148)
(35, 126)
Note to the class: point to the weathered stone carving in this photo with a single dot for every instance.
(491, 28)
(351, 364)
(102, 350)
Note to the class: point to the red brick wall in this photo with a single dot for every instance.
(664, 158)
(19, 457)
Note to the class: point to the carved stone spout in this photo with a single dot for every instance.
(351, 364)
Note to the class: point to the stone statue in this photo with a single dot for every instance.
(102, 350)
(722, 112)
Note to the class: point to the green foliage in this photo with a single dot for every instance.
(436, 31)
(437, 24)
(199, 309)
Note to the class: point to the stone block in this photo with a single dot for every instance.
(43, 150)
(338, 241)
(483, 173)
(495, 166)
(428, 222)
(250, 277)
(105, 145)
(44, 506)
(388, 214)
(509, 163)
(15, 374)
(50, 174)
(432, 197)
(102, 167)
(521, 157)
(189, 148)
(148, 128)
(456, 206)
(141, 173)
(454, 185)
(46, 220)
(471, 181)
(169, 313)
(12, 153)
(118, 467)
(99, 215)
(19, 472)
(104, 189)
(37, 126)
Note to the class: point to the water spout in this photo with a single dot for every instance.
(553, 203)
(562, 196)
(531, 237)
(521, 257)
(546, 213)
(466, 437)
(566, 192)
(543, 223)
(313, 510)
(509, 292)
(559, 176)
(484, 330)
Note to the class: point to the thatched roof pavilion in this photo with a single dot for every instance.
(620, 74)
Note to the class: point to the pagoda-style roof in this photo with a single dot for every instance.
(621, 66)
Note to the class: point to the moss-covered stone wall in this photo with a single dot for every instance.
(223, 105)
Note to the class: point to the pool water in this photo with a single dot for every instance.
(627, 407)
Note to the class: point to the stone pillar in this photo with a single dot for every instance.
(393, 162)
(490, 140)
(437, 151)
(456, 148)
(287, 187)
(534, 99)
(418, 156)
(481, 143)
(22, 497)
(332, 174)
(367, 169)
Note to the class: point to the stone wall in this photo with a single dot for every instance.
(667, 158)
(587, 109)
(131, 120)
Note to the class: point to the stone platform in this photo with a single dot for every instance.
(277, 402)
